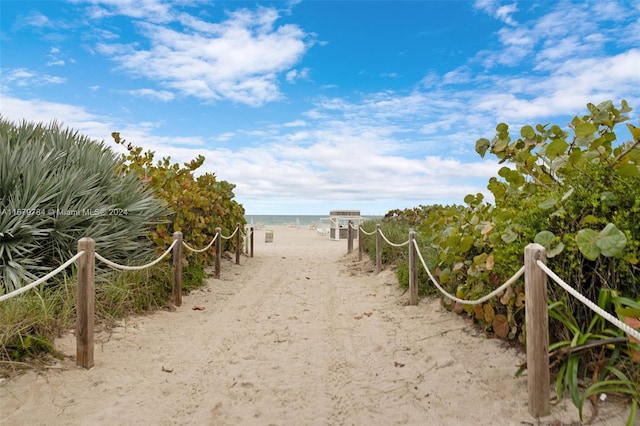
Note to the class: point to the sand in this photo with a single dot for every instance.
(300, 334)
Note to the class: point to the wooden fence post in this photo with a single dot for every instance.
(85, 303)
(177, 269)
(360, 243)
(251, 254)
(378, 248)
(413, 270)
(246, 241)
(349, 237)
(238, 246)
(218, 244)
(537, 331)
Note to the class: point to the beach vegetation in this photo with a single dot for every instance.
(57, 186)
(198, 204)
(576, 192)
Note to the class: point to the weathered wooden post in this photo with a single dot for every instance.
(349, 237)
(360, 243)
(378, 248)
(251, 255)
(238, 249)
(85, 303)
(246, 241)
(537, 324)
(218, 245)
(413, 270)
(177, 269)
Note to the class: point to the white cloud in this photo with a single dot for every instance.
(340, 161)
(294, 75)
(501, 12)
(149, 10)
(22, 77)
(33, 19)
(38, 110)
(238, 59)
(224, 137)
(161, 95)
(296, 123)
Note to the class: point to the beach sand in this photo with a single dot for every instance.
(300, 334)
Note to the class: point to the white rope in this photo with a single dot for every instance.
(230, 236)
(595, 308)
(367, 233)
(136, 268)
(43, 279)
(483, 299)
(185, 245)
(393, 244)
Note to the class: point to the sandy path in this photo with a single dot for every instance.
(301, 334)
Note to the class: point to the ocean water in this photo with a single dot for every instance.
(289, 220)
(270, 220)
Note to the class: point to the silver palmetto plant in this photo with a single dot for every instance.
(57, 186)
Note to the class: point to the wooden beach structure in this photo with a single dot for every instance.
(339, 222)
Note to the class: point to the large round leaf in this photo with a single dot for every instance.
(611, 241)
(545, 239)
(587, 240)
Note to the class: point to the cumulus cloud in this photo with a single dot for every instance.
(387, 148)
(237, 59)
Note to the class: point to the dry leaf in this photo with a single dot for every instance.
(358, 317)
(398, 364)
(198, 308)
(500, 326)
(167, 370)
(368, 313)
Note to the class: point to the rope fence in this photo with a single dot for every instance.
(535, 273)
(86, 257)
(135, 268)
(202, 250)
(41, 280)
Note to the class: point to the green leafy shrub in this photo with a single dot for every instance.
(198, 204)
(577, 193)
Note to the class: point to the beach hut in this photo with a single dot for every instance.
(339, 223)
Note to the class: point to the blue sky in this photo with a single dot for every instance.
(309, 106)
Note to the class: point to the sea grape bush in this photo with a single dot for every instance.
(576, 192)
(198, 204)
